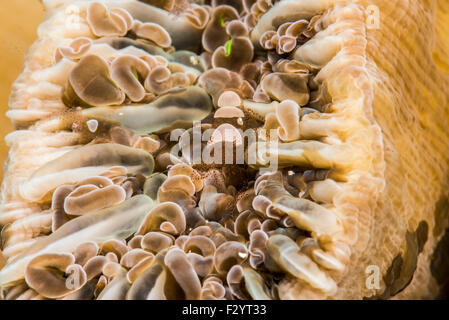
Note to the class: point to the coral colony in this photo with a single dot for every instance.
(244, 149)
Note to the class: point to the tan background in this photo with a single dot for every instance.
(19, 20)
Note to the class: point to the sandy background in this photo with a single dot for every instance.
(19, 20)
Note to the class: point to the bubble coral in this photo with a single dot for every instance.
(97, 203)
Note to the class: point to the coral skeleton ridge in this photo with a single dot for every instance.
(115, 186)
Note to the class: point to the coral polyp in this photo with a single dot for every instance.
(238, 149)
